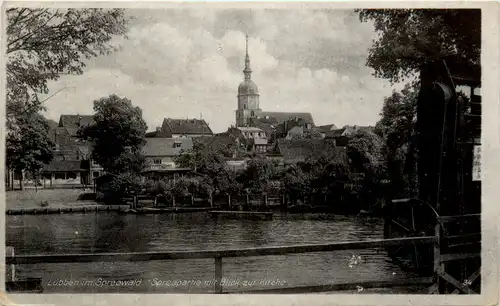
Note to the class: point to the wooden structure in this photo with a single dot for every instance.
(448, 131)
(218, 255)
(243, 214)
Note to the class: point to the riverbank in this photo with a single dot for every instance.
(55, 198)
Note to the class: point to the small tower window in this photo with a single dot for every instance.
(252, 114)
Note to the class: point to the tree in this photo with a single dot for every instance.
(398, 118)
(259, 173)
(117, 135)
(30, 147)
(203, 159)
(43, 43)
(365, 150)
(409, 37)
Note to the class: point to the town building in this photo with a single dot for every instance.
(181, 128)
(71, 164)
(252, 138)
(160, 153)
(249, 112)
(325, 129)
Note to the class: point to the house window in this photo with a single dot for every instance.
(244, 106)
(57, 147)
(252, 113)
(157, 161)
(71, 175)
(47, 175)
(95, 174)
(60, 176)
(177, 144)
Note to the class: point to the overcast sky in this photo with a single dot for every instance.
(188, 63)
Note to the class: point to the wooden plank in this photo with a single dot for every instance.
(247, 252)
(452, 218)
(457, 284)
(424, 281)
(438, 266)
(454, 257)
(218, 275)
(237, 212)
(10, 271)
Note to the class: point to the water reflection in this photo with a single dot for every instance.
(111, 232)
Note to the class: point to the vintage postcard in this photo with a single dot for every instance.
(333, 153)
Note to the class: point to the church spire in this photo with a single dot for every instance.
(247, 71)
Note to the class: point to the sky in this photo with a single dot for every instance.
(187, 63)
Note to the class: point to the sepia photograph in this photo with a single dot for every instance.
(212, 150)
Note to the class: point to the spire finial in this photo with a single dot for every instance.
(247, 71)
(246, 44)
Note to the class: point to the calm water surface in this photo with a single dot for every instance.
(111, 232)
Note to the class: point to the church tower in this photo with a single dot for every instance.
(248, 95)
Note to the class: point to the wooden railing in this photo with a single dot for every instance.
(218, 255)
(438, 241)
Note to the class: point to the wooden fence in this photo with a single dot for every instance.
(217, 255)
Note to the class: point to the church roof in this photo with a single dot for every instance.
(247, 87)
(284, 116)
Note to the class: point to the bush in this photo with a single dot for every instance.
(125, 184)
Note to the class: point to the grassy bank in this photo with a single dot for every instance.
(30, 198)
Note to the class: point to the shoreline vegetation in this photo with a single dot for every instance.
(53, 201)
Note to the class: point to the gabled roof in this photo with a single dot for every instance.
(335, 133)
(249, 129)
(267, 125)
(166, 147)
(52, 124)
(326, 128)
(63, 165)
(184, 127)
(283, 116)
(75, 121)
(302, 149)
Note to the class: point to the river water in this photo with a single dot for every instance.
(112, 232)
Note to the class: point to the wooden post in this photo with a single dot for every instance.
(218, 275)
(192, 200)
(247, 201)
(229, 200)
(173, 201)
(438, 266)
(155, 201)
(265, 200)
(211, 200)
(10, 272)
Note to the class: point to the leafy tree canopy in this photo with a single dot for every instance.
(409, 37)
(118, 135)
(43, 43)
(366, 152)
(30, 146)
